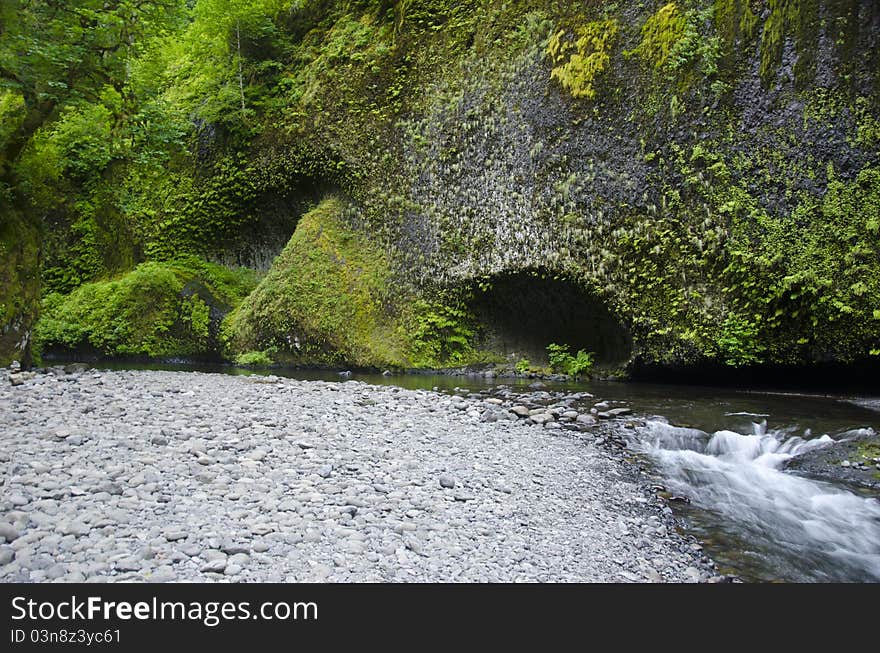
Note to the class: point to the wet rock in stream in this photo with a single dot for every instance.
(852, 460)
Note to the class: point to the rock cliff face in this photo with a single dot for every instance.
(668, 184)
(705, 173)
(19, 285)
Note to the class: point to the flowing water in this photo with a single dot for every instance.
(801, 529)
(725, 450)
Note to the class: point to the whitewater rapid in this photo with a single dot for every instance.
(740, 477)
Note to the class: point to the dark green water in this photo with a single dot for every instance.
(723, 448)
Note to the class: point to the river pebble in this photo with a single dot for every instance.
(181, 476)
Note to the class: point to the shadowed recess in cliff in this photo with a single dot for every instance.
(522, 313)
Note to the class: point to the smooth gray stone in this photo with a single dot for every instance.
(9, 532)
(7, 555)
(214, 566)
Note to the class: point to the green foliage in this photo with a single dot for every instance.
(132, 316)
(19, 287)
(216, 68)
(83, 137)
(326, 301)
(868, 450)
(215, 208)
(133, 131)
(814, 268)
(156, 310)
(12, 111)
(52, 54)
(255, 359)
(441, 335)
(867, 124)
(155, 135)
(523, 366)
(562, 362)
(739, 341)
(38, 172)
(577, 64)
(696, 48)
(77, 263)
(801, 23)
(196, 316)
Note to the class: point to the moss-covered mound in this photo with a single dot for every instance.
(158, 310)
(326, 300)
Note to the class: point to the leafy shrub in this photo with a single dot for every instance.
(84, 137)
(739, 343)
(523, 366)
(562, 362)
(440, 335)
(254, 359)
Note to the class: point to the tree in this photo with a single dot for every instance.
(53, 52)
(219, 27)
(64, 72)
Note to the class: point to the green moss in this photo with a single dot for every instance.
(324, 301)
(714, 274)
(217, 204)
(734, 20)
(772, 36)
(12, 113)
(577, 63)
(98, 244)
(19, 285)
(156, 310)
(800, 21)
(868, 450)
(330, 299)
(660, 34)
(867, 124)
(799, 286)
(687, 60)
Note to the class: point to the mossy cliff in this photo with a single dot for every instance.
(705, 174)
(19, 286)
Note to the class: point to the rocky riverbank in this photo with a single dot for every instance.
(173, 476)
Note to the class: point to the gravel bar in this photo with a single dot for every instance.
(133, 476)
